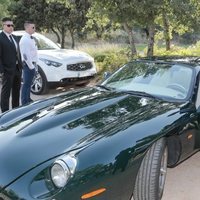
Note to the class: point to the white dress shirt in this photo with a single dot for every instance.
(28, 50)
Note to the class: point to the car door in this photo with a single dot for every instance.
(189, 130)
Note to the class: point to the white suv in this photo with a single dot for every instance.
(58, 66)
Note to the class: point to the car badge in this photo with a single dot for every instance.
(82, 66)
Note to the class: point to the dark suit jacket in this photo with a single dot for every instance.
(8, 54)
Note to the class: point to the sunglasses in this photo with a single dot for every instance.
(9, 25)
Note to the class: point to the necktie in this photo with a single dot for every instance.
(11, 40)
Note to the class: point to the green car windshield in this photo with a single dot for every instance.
(168, 80)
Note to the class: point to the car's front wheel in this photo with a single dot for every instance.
(40, 85)
(151, 177)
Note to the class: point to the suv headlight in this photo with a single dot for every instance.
(50, 62)
(62, 170)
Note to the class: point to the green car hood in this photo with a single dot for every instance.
(33, 134)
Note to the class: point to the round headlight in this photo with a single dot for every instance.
(60, 173)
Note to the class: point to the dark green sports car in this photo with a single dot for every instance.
(113, 141)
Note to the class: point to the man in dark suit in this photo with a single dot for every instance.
(10, 66)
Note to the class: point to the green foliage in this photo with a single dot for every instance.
(108, 57)
(111, 57)
(78, 17)
(23, 10)
(3, 8)
(99, 22)
(193, 50)
(59, 16)
(186, 12)
(55, 17)
(63, 16)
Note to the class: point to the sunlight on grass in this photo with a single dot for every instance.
(100, 47)
(109, 57)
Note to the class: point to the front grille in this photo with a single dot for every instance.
(80, 66)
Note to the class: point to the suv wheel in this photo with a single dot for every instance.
(40, 85)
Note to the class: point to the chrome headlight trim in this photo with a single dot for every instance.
(62, 170)
(71, 162)
(60, 173)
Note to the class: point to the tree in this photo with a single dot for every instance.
(130, 13)
(179, 16)
(146, 14)
(120, 12)
(56, 17)
(3, 8)
(23, 10)
(165, 16)
(99, 22)
(77, 17)
(66, 16)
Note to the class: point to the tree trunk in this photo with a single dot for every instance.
(72, 37)
(129, 31)
(99, 33)
(150, 50)
(166, 31)
(63, 38)
(57, 35)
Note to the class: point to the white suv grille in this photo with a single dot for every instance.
(79, 66)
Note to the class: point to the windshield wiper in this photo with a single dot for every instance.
(104, 87)
(141, 93)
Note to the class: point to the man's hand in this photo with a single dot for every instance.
(36, 68)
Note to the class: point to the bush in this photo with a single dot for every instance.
(109, 57)
(100, 57)
(193, 50)
(112, 60)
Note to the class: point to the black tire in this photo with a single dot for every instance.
(151, 177)
(40, 85)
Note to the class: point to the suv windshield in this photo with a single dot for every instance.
(159, 79)
(44, 43)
